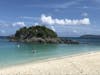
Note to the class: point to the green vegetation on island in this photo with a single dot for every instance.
(38, 34)
(37, 31)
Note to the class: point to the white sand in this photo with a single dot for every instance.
(85, 64)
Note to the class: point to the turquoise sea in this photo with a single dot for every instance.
(12, 53)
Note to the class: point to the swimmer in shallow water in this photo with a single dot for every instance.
(33, 51)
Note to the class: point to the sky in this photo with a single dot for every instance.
(66, 17)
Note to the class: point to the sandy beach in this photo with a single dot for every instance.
(84, 64)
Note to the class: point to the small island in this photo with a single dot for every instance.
(38, 34)
(90, 36)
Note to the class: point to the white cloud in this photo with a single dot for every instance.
(36, 23)
(49, 20)
(52, 27)
(19, 24)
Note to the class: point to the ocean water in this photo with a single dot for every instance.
(12, 53)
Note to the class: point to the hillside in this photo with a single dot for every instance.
(36, 34)
(91, 36)
(39, 34)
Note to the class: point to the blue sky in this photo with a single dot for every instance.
(66, 17)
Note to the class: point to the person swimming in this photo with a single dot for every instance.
(33, 51)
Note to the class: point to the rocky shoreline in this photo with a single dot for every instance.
(45, 40)
(38, 34)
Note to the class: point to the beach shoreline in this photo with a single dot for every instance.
(59, 66)
(49, 59)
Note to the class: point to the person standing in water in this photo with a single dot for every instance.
(33, 51)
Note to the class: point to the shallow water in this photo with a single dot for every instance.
(12, 53)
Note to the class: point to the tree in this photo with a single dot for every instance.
(35, 31)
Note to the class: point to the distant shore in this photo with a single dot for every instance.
(81, 64)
